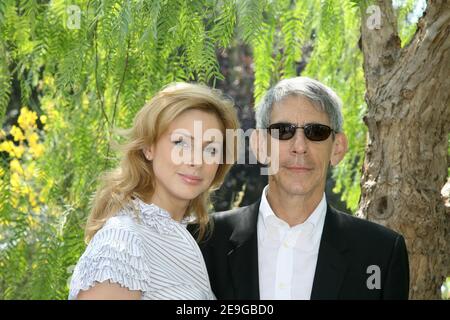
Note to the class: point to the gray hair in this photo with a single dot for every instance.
(319, 94)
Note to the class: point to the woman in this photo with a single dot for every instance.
(139, 247)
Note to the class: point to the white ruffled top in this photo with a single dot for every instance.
(145, 250)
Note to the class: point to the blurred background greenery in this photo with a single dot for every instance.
(71, 71)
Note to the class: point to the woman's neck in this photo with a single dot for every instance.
(176, 207)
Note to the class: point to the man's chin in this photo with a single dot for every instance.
(295, 189)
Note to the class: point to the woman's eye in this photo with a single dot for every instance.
(213, 151)
(180, 143)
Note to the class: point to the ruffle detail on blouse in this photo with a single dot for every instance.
(113, 254)
(158, 218)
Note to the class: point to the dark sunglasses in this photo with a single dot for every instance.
(313, 131)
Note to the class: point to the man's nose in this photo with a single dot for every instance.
(299, 142)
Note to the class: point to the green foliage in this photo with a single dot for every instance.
(445, 289)
(337, 61)
(5, 82)
(331, 28)
(224, 23)
(263, 60)
(292, 30)
(407, 12)
(89, 78)
(93, 78)
(250, 18)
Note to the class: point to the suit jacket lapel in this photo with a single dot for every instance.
(331, 264)
(243, 257)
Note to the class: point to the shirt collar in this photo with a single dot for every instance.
(269, 217)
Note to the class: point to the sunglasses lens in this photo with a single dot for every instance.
(317, 132)
(313, 131)
(282, 131)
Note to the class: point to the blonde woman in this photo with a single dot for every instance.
(138, 244)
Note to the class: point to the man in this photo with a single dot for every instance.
(291, 244)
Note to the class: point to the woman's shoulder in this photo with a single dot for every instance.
(123, 220)
(129, 219)
(120, 229)
(115, 253)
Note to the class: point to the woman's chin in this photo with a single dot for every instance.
(188, 195)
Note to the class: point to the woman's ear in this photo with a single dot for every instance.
(258, 145)
(340, 147)
(148, 153)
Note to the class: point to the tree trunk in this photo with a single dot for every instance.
(408, 119)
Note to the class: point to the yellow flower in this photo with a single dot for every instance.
(17, 133)
(2, 172)
(32, 199)
(12, 149)
(32, 138)
(27, 119)
(37, 150)
(7, 146)
(24, 191)
(15, 180)
(2, 134)
(48, 105)
(31, 221)
(4, 223)
(18, 151)
(49, 81)
(43, 119)
(14, 200)
(30, 170)
(15, 166)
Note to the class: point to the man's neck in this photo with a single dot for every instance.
(294, 209)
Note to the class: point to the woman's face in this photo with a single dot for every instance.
(185, 159)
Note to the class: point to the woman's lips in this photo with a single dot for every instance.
(190, 179)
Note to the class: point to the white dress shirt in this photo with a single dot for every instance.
(287, 256)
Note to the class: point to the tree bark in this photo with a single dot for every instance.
(408, 120)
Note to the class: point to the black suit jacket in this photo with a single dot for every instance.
(348, 246)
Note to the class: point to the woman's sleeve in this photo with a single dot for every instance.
(113, 254)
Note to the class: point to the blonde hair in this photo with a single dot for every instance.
(134, 176)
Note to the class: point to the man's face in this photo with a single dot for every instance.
(303, 163)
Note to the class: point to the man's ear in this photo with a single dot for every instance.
(148, 153)
(340, 147)
(258, 145)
